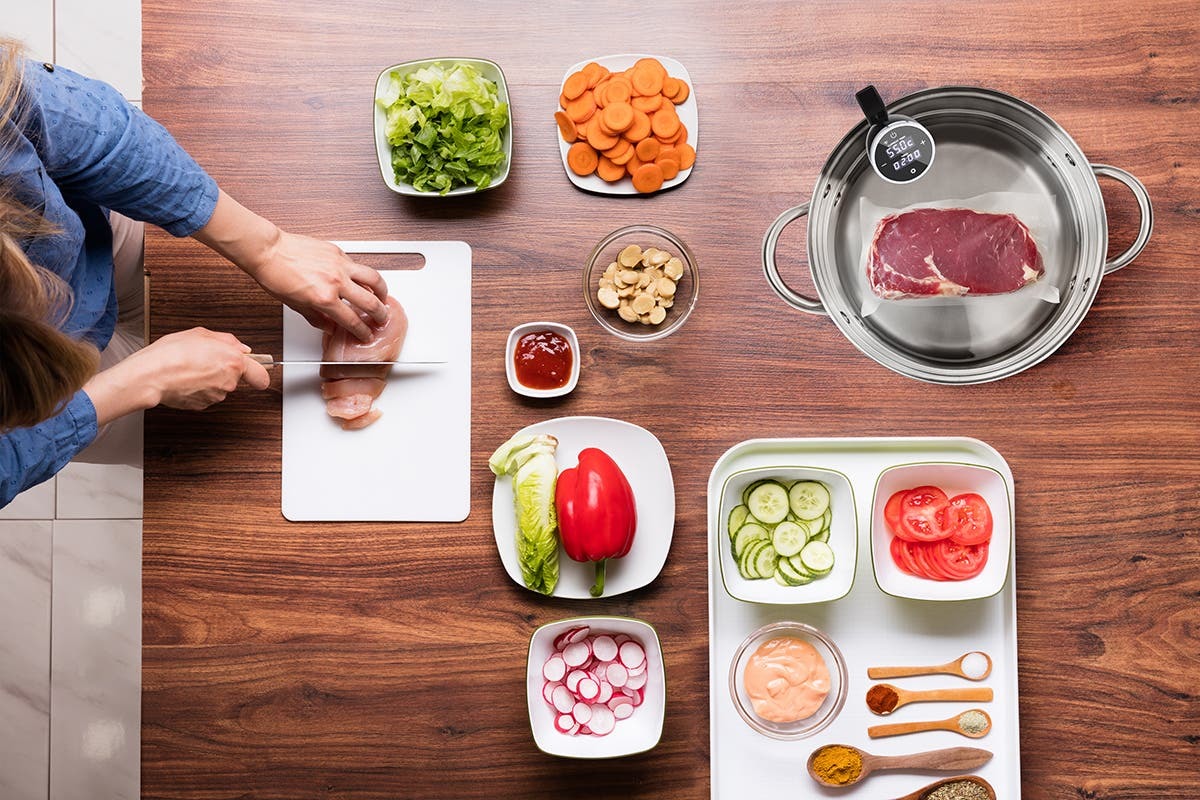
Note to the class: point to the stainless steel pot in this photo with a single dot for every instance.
(986, 142)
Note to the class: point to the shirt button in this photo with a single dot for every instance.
(46, 65)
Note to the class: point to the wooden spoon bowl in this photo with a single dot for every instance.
(948, 724)
(923, 792)
(947, 759)
(954, 667)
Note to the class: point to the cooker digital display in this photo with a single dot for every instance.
(902, 151)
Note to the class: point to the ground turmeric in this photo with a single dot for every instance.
(837, 764)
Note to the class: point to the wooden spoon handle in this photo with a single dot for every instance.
(951, 759)
(976, 693)
(899, 728)
(880, 673)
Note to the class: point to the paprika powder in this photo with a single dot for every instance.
(597, 515)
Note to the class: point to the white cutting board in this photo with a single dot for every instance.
(414, 463)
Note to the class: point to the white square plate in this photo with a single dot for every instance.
(641, 457)
(636, 734)
(952, 479)
(688, 115)
(843, 539)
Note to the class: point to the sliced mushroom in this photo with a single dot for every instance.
(630, 256)
(608, 297)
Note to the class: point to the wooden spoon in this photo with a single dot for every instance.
(922, 793)
(950, 724)
(948, 759)
(954, 667)
(903, 697)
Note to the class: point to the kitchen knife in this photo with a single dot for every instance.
(270, 361)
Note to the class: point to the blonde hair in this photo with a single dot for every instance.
(41, 367)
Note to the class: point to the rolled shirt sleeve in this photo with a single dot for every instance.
(97, 147)
(29, 456)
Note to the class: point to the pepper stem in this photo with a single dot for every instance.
(598, 586)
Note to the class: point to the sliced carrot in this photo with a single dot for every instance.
(682, 95)
(647, 149)
(648, 178)
(680, 135)
(581, 129)
(618, 116)
(669, 167)
(670, 87)
(582, 108)
(664, 123)
(582, 159)
(566, 126)
(562, 100)
(604, 126)
(619, 149)
(651, 64)
(599, 139)
(609, 171)
(687, 155)
(620, 90)
(631, 166)
(575, 85)
(647, 81)
(640, 129)
(647, 105)
(594, 72)
(625, 157)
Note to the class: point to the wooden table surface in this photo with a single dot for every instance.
(342, 660)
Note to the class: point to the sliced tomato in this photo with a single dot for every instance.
(959, 561)
(927, 564)
(900, 556)
(968, 519)
(921, 514)
(891, 512)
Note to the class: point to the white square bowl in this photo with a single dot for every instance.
(951, 478)
(510, 350)
(490, 70)
(843, 539)
(637, 734)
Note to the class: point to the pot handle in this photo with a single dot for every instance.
(1147, 214)
(770, 241)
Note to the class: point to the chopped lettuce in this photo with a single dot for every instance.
(445, 124)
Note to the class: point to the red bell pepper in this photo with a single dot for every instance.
(597, 515)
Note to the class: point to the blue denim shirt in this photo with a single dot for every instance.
(81, 150)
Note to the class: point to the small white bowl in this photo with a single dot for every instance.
(636, 734)
(843, 539)
(383, 150)
(951, 478)
(510, 350)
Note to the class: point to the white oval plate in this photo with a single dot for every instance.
(641, 457)
(688, 115)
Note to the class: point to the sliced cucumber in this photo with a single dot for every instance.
(768, 502)
(765, 561)
(746, 492)
(788, 538)
(823, 536)
(793, 576)
(746, 559)
(737, 518)
(780, 579)
(808, 500)
(817, 558)
(826, 519)
(750, 532)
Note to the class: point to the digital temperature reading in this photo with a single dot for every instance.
(902, 151)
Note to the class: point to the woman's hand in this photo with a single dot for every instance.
(312, 276)
(190, 370)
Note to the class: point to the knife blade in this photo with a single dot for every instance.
(270, 361)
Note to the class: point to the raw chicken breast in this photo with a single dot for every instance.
(349, 392)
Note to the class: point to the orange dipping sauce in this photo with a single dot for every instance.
(543, 360)
(786, 679)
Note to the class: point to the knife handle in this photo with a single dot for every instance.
(265, 359)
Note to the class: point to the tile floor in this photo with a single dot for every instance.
(70, 549)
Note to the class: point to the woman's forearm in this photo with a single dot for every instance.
(239, 234)
(119, 390)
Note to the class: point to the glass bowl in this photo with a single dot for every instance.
(687, 290)
(808, 726)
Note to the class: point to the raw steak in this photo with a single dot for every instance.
(951, 251)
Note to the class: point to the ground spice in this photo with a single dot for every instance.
(958, 790)
(882, 699)
(837, 764)
(973, 722)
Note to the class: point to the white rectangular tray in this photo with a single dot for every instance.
(871, 629)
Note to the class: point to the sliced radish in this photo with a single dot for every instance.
(588, 689)
(638, 697)
(606, 692)
(548, 692)
(617, 674)
(620, 700)
(566, 637)
(638, 670)
(573, 679)
(624, 711)
(603, 720)
(578, 634)
(564, 723)
(622, 638)
(554, 669)
(584, 730)
(564, 701)
(582, 712)
(604, 648)
(631, 655)
(576, 654)
(637, 681)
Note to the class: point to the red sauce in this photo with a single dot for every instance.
(543, 360)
